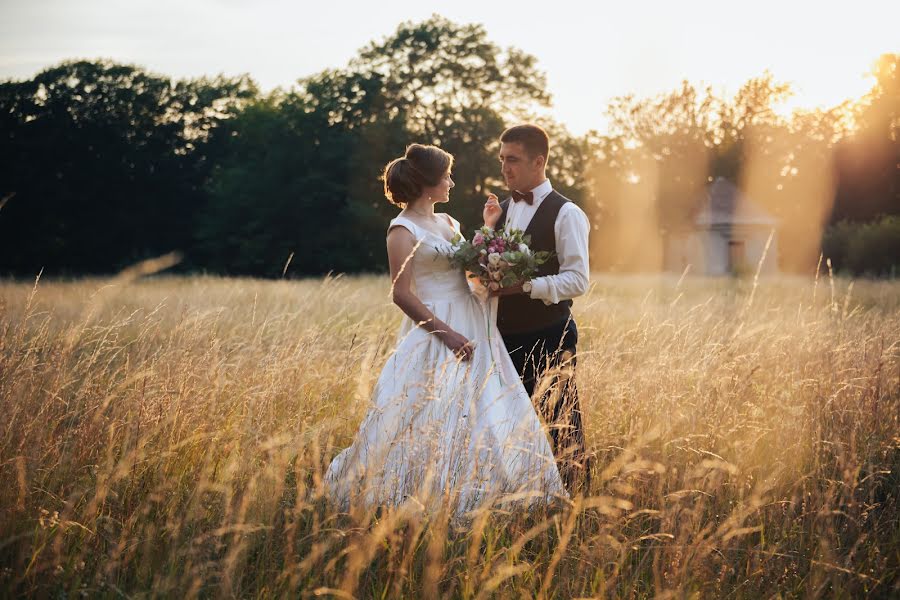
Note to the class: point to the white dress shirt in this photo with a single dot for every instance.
(571, 231)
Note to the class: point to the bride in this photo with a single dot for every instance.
(450, 424)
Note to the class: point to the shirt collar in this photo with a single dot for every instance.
(542, 191)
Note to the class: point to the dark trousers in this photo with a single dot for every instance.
(545, 359)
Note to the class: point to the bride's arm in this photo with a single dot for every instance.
(401, 246)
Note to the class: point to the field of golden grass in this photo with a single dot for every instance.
(166, 437)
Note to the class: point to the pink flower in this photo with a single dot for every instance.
(478, 239)
(501, 245)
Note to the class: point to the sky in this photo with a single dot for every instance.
(590, 52)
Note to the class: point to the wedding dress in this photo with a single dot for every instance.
(441, 432)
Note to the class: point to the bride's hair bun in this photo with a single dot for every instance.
(421, 167)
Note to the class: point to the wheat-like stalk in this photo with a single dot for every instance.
(168, 436)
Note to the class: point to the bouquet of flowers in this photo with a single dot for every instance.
(497, 258)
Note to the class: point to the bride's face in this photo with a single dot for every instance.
(441, 192)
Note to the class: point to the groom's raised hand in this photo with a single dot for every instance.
(492, 211)
(508, 291)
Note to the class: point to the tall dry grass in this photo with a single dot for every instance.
(167, 437)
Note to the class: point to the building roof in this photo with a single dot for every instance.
(726, 205)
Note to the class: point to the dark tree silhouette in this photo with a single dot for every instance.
(107, 164)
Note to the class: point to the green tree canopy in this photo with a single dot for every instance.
(301, 173)
(106, 162)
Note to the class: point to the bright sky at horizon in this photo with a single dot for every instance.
(590, 51)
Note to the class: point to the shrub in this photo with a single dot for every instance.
(871, 248)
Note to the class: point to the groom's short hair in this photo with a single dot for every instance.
(533, 138)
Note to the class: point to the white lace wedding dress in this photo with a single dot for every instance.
(444, 432)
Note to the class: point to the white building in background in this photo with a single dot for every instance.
(729, 236)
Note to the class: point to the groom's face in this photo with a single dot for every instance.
(521, 171)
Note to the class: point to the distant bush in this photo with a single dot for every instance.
(871, 248)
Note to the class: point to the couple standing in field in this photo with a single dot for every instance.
(454, 419)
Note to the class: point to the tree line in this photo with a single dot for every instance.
(104, 164)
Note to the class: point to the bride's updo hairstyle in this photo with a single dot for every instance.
(421, 167)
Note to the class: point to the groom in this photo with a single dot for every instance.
(534, 318)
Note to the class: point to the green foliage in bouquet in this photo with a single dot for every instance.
(497, 258)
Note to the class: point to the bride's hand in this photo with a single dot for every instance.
(492, 211)
(461, 347)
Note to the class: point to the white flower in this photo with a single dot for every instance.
(494, 259)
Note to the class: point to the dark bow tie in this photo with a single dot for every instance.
(518, 196)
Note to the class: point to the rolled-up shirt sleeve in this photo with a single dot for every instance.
(571, 231)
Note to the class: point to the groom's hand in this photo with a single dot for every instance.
(508, 291)
(492, 211)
